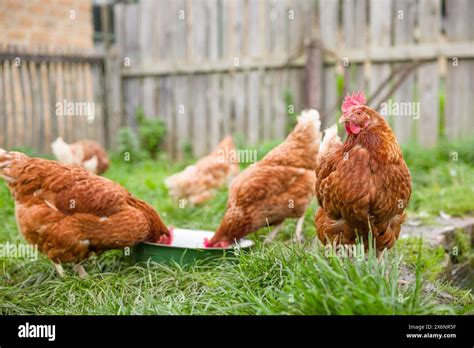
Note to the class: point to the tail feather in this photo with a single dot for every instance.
(91, 164)
(331, 141)
(310, 116)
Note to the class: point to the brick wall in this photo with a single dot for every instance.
(61, 24)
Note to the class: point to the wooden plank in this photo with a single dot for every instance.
(27, 102)
(149, 97)
(281, 76)
(45, 112)
(3, 115)
(253, 77)
(181, 105)
(36, 92)
(68, 96)
(89, 95)
(23, 84)
(226, 79)
(297, 12)
(113, 85)
(59, 99)
(404, 22)
(146, 34)
(18, 104)
(240, 101)
(9, 108)
(213, 93)
(11, 55)
(400, 53)
(459, 103)
(76, 120)
(328, 26)
(429, 21)
(200, 127)
(266, 101)
(132, 89)
(99, 120)
(52, 78)
(131, 55)
(380, 26)
(165, 109)
(132, 45)
(81, 95)
(355, 37)
(165, 50)
(180, 95)
(152, 42)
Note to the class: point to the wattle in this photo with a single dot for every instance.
(348, 128)
(355, 129)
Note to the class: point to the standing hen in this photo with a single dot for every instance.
(86, 153)
(70, 213)
(278, 187)
(363, 180)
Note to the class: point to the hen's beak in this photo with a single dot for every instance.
(343, 119)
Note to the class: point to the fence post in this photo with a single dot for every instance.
(113, 96)
(313, 75)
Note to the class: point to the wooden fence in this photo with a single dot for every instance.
(212, 67)
(36, 92)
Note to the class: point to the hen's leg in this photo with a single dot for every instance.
(273, 234)
(380, 254)
(59, 268)
(80, 271)
(299, 230)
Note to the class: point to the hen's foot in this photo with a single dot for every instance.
(59, 268)
(273, 234)
(299, 230)
(80, 271)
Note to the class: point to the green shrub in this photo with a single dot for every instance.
(129, 146)
(151, 133)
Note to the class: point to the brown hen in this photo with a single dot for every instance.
(85, 153)
(198, 183)
(363, 180)
(279, 186)
(70, 213)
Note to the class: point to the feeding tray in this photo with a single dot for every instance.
(187, 247)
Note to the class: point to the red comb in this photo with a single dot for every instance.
(350, 101)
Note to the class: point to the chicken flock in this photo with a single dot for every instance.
(362, 186)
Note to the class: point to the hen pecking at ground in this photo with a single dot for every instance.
(71, 213)
(198, 183)
(278, 187)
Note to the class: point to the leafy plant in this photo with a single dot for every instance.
(151, 133)
(129, 145)
(188, 151)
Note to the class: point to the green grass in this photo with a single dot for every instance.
(281, 278)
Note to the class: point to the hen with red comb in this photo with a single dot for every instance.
(362, 185)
